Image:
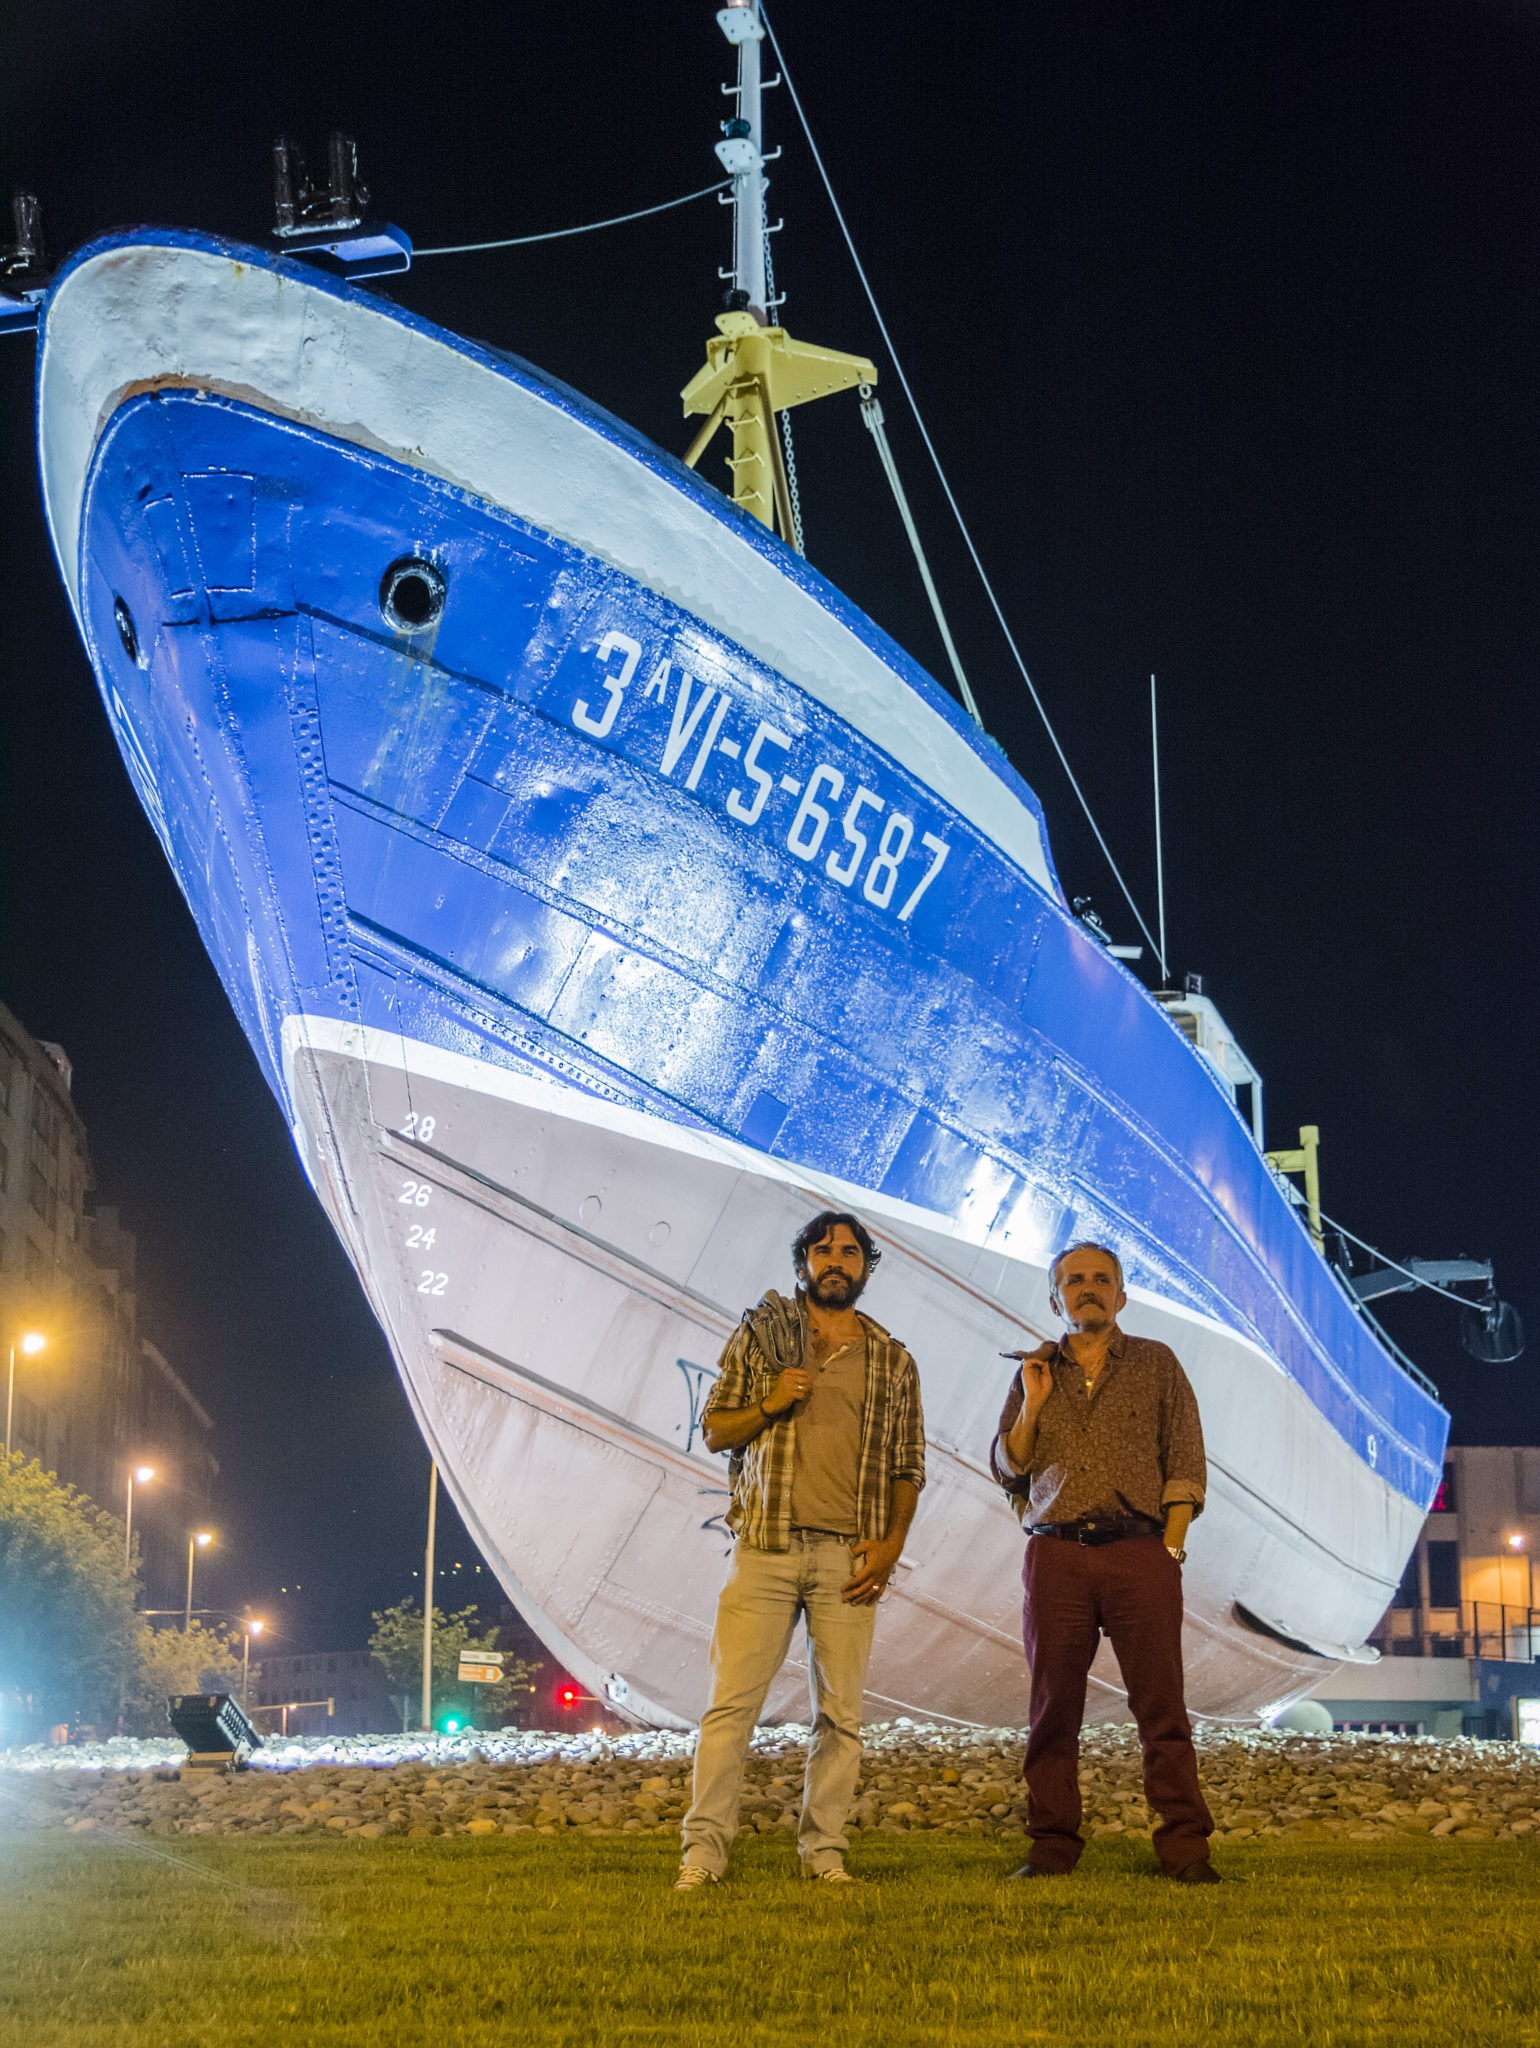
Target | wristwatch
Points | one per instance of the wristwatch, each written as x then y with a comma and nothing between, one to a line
1179,1555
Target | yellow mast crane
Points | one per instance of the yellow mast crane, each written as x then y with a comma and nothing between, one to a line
1305,1159
754,370
751,373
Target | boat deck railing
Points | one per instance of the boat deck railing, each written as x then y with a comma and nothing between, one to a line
1477,1628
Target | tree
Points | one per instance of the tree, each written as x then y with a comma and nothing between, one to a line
173,1660
396,1646
66,1601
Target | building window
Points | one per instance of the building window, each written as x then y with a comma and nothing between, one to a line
1443,1574
1529,1481
1377,1727
1409,1592
1444,1499
44,1123
41,1195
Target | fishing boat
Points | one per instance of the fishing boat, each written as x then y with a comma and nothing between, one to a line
602,894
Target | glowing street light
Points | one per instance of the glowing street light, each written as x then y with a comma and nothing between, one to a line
253,1628
199,1540
29,1343
140,1475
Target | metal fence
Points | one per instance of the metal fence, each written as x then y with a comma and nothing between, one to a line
1479,1628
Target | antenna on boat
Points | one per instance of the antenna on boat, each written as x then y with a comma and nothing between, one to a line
754,370
325,224
741,153
1160,864
24,272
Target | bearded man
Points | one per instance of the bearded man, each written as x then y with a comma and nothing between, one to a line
819,1409
1101,1447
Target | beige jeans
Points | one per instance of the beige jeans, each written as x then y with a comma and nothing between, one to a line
767,1591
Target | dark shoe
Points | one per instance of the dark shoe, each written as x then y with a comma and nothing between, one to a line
1196,1873
1034,1870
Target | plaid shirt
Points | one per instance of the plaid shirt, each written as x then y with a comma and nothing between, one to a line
768,1340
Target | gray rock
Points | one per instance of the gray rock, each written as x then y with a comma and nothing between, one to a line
1259,1782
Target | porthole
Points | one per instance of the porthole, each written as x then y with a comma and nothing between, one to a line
412,595
128,632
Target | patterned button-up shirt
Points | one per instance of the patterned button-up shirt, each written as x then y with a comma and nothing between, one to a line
768,1340
1134,1446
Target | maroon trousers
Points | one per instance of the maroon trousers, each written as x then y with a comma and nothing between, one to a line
1130,1591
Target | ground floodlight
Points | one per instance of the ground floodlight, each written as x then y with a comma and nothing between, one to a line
218,1735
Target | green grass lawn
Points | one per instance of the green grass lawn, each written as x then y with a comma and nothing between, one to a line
528,1940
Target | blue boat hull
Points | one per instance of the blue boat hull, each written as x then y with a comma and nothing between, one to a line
576,857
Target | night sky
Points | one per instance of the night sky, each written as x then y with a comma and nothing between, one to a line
1223,320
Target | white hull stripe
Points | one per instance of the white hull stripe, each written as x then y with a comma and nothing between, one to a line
556,1098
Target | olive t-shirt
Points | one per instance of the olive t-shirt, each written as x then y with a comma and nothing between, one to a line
828,1442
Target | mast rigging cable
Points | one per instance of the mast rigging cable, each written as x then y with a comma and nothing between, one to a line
871,412
930,449
587,227
1395,1265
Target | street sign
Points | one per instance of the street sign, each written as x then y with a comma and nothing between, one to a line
480,1667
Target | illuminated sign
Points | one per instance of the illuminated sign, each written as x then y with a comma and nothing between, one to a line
480,1667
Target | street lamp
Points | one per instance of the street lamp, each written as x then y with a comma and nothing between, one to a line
427,1602
29,1343
253,1628
143,1474
199,1540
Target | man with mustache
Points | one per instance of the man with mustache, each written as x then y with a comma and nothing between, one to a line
1101,1448
820,1410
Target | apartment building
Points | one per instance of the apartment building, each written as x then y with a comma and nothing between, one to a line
98,1398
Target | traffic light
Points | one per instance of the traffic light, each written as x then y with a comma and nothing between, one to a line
568,1696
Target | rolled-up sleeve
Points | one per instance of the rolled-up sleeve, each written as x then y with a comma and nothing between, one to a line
1017,1484
1183,1464
730,1388
908,1439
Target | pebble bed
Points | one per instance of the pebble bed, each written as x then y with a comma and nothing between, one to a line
914,1778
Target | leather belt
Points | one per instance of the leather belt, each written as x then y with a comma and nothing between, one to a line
1100,1529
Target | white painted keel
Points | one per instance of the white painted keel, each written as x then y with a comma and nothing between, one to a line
557,1330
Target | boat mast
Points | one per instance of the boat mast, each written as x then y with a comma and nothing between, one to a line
753,370
1160,859
742,152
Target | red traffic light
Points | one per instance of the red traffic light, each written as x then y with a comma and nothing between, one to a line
569,1696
